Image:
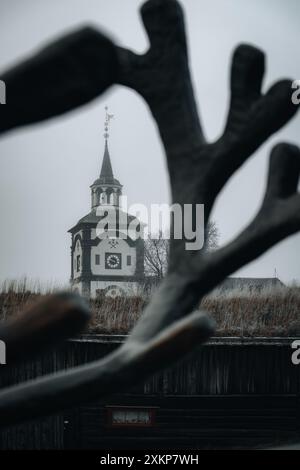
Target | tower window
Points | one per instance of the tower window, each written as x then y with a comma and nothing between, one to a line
97,259
128,260
78,263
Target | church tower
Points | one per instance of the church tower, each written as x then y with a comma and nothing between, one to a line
107,250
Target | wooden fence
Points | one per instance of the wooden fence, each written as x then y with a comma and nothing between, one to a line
231,392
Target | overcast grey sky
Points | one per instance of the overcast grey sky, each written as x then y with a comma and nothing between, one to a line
46,170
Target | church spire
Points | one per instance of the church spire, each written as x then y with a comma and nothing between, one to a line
106,174
106,190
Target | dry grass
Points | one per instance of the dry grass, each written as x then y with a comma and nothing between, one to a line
116,316
271,312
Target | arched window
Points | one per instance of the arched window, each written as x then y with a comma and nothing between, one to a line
103,197
113,198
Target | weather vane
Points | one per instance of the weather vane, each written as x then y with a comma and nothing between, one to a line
108,117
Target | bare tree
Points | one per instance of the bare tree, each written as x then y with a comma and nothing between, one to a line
80,67
157,248
212,236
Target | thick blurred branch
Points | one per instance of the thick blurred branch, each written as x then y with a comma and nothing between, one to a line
69,73
129,364
45,324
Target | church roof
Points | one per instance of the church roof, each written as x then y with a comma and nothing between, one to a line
93,219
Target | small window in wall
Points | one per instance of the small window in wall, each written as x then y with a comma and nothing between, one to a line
130,416
128,260
97,259
78,263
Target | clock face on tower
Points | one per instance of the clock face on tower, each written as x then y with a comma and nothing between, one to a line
113,261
